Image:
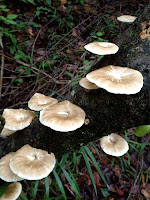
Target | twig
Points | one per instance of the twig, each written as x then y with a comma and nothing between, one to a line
2,64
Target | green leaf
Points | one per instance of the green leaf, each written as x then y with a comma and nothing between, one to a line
86,159
13,39
61,187
3,188
12,16
46,187
35,189
12,49
71,182
22,196
105,193
142,130
96,165
48,2
99,33
7,21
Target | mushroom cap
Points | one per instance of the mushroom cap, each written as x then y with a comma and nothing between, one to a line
126,18
31,163
117,80
5,172
64,116
17,119
85,83
6,132
39,102
102,48
12,192
114,145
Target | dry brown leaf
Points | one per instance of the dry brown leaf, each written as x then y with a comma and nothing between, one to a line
146,191
88,8
63,1
117,170
97,179
30,31
41,52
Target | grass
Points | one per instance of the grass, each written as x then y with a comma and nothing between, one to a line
65,180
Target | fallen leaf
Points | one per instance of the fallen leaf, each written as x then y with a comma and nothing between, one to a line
63,1
117,170
97,179
146,191
88,8
41,52
30,31
134,189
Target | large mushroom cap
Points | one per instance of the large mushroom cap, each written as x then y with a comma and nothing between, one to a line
126,18
5,172
13,191
102,48
85,83
114,145
39,102
117,80
63,116
31,163
17,119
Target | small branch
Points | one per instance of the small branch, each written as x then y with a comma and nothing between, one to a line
2,64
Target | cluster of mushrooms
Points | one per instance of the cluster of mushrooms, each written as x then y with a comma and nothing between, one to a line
33,164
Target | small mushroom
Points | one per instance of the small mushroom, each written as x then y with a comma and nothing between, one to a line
114,145
39,102
126,18
102,48
5,172
64,116
31,163
117,80
17,119
12,192
85,83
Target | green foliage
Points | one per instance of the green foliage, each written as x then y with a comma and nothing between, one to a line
142,130
3,188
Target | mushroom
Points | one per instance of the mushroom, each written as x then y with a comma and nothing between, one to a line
31,163
85,83
5,172
12,192
39,102
17,119
114,145
6,132
117,80
102,48
64,116
126,18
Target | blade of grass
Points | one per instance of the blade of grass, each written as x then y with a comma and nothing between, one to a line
89,168
22,195
34,191
46,187
60,185
71,182
96,149
96,165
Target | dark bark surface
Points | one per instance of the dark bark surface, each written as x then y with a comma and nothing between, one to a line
107,112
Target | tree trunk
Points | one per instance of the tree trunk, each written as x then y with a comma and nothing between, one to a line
106,112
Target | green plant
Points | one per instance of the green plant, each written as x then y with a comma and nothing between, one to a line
142,130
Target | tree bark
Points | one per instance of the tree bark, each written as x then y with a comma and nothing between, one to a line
106,112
